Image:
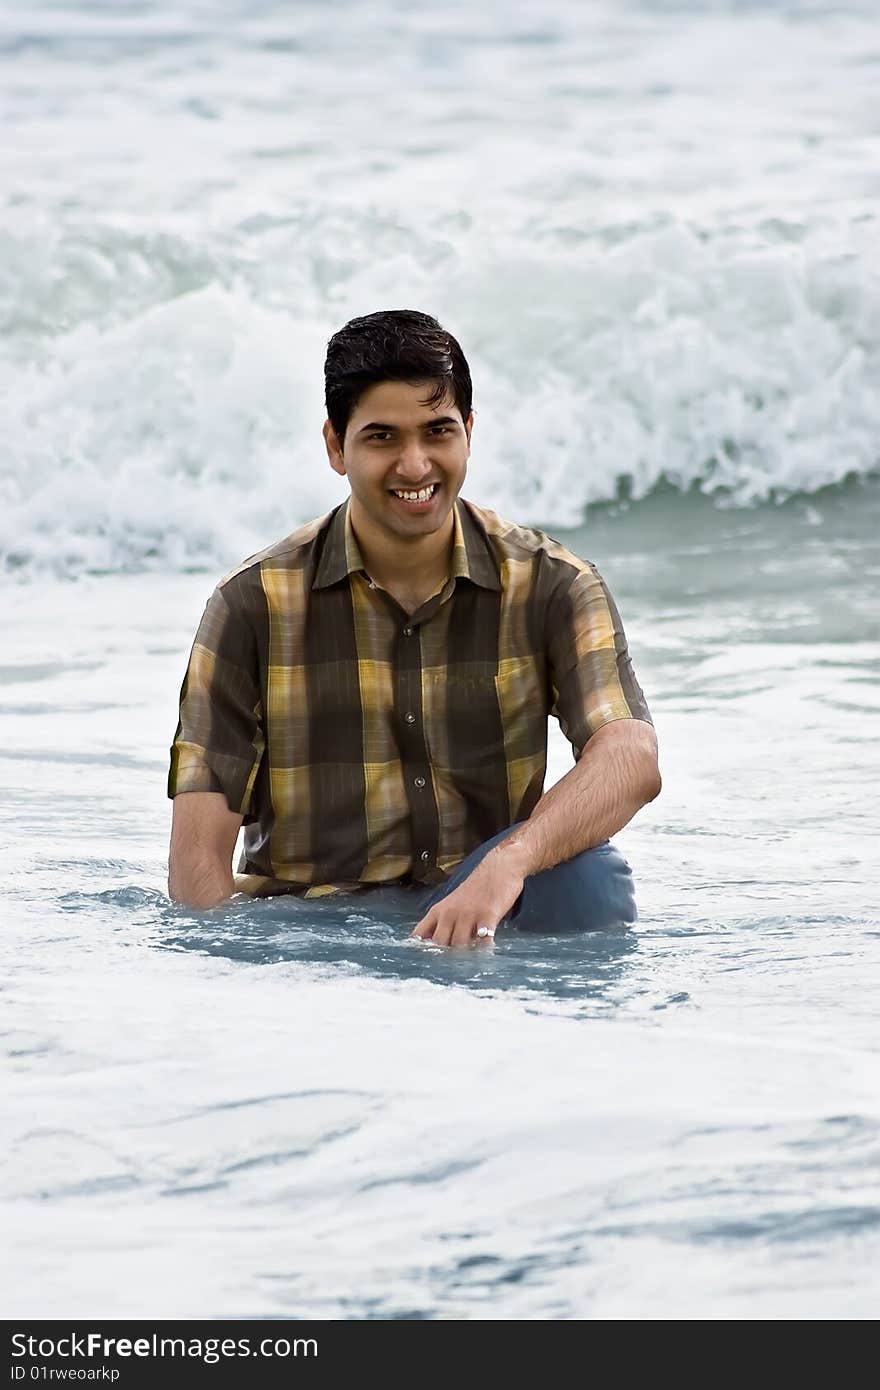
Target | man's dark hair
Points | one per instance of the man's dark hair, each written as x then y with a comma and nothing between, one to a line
392,345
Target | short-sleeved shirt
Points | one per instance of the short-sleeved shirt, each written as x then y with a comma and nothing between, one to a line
363,744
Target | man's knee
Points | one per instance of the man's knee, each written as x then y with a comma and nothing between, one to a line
588,893
592,891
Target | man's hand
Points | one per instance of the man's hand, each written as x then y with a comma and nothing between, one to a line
476,907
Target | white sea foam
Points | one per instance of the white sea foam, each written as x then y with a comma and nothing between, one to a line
654,236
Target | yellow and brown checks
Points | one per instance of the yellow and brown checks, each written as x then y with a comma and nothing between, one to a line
365,745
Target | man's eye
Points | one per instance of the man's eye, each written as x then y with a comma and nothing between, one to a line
380,435
440,429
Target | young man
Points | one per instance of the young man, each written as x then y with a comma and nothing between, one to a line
370,695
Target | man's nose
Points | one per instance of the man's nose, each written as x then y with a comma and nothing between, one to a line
414,463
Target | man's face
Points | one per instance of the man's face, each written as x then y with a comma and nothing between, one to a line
405,461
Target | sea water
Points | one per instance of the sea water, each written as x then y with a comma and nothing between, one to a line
654,228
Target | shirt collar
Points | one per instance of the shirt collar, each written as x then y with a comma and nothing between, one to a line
472,557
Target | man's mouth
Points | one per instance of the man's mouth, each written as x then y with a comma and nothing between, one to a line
414,497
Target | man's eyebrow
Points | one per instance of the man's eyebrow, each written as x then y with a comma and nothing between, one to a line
426,424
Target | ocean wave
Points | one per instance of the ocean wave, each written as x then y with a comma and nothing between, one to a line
179,422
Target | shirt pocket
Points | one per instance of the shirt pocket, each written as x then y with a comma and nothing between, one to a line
480,718
463,728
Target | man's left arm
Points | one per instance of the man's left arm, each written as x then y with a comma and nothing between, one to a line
616,774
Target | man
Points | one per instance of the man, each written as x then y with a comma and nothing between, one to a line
370,695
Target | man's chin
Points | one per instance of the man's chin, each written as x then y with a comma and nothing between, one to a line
419,523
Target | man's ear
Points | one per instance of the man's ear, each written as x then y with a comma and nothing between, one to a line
334,449
468,426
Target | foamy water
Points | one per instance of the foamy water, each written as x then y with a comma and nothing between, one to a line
654,229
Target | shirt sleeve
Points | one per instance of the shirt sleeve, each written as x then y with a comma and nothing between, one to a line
220,741
590,668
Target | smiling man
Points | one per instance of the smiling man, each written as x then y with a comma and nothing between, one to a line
370,695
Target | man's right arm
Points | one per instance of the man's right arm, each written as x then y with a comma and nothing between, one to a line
203,836
217,750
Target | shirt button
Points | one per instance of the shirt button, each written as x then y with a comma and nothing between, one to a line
424,856
410,717
420,781
407,632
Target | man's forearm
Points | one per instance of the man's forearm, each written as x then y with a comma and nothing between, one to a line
616,775
202,882
203,835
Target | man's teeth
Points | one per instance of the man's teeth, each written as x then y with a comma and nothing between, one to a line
424,496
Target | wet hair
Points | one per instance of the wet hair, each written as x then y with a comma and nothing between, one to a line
392,345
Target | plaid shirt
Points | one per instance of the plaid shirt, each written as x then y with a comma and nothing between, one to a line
365,745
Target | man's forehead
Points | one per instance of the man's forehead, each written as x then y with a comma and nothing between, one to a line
403,400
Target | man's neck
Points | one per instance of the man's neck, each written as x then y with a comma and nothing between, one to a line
416,567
